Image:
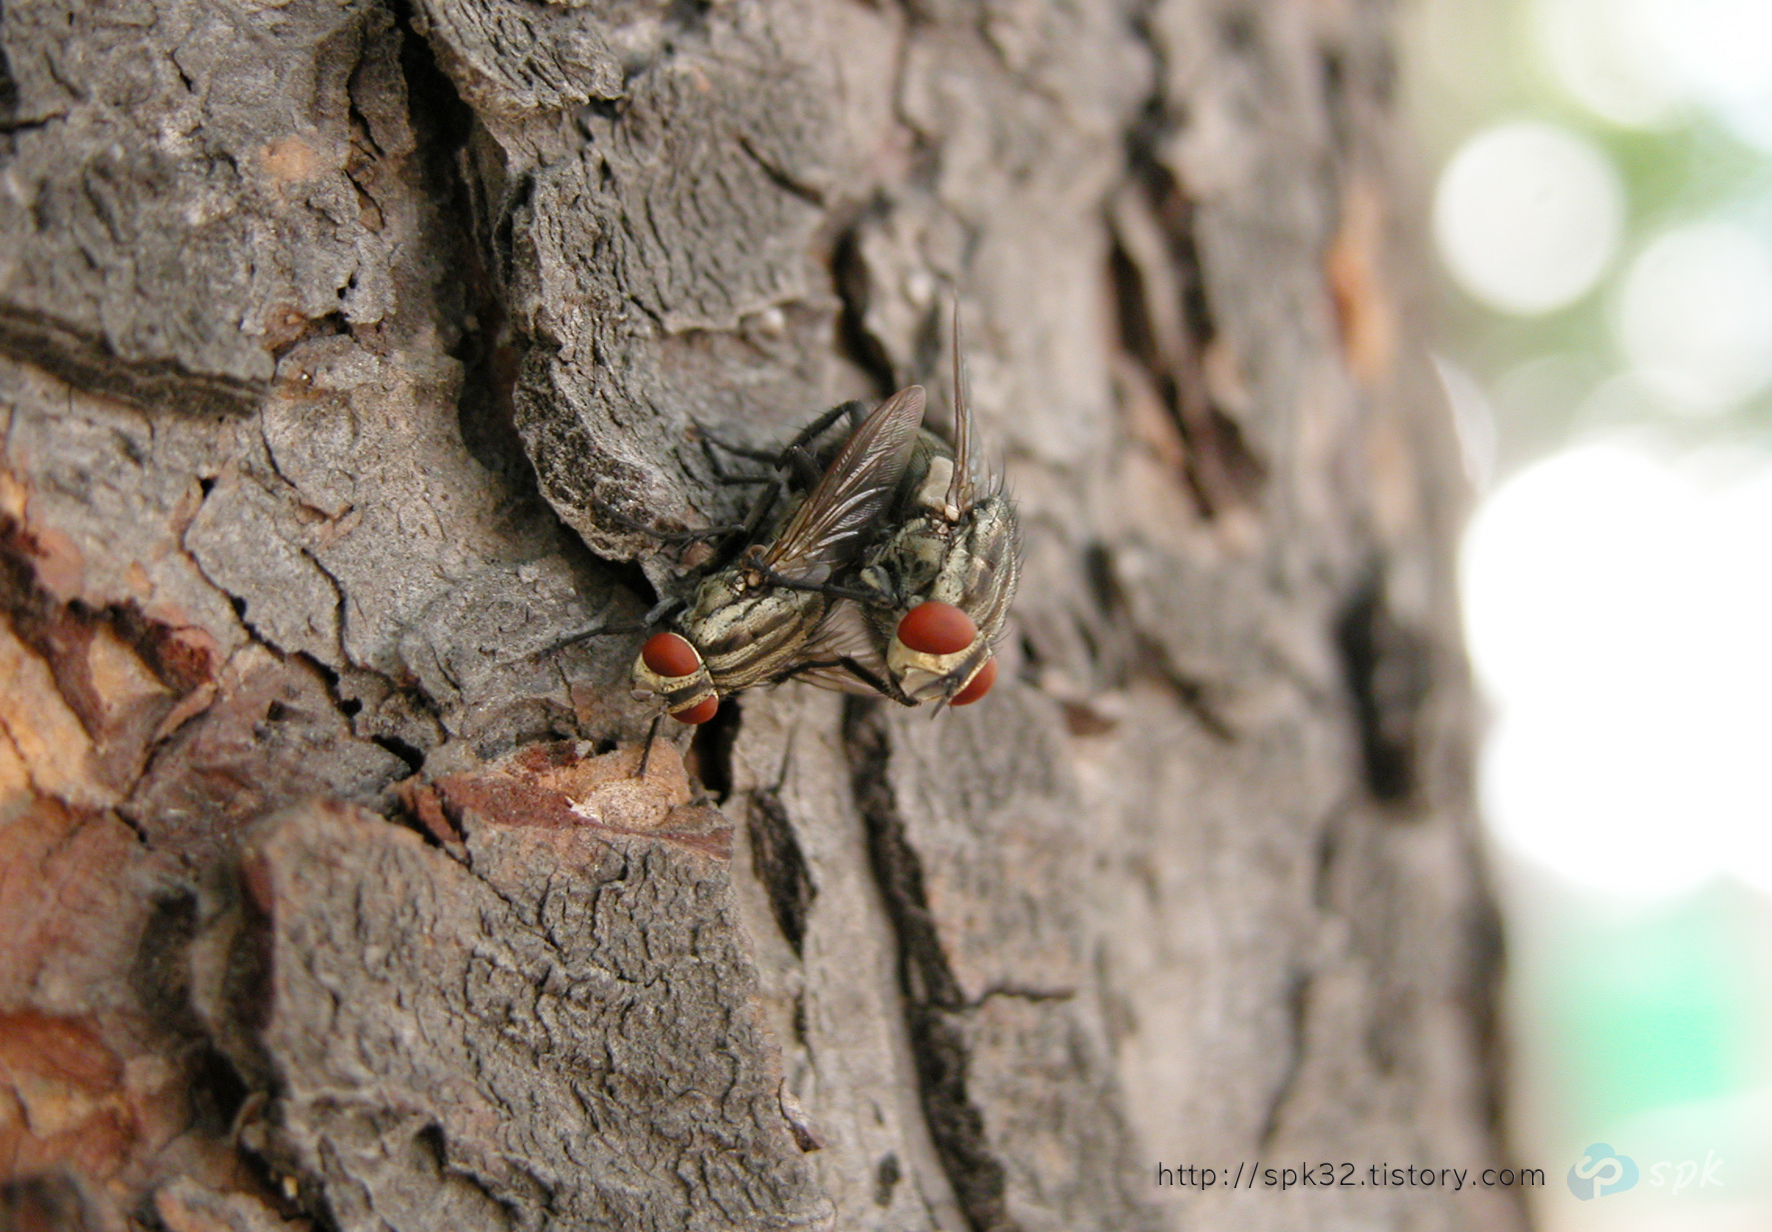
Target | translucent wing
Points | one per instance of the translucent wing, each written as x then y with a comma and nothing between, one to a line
827,527
843,652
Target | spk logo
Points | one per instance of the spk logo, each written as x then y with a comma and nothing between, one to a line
1601,1171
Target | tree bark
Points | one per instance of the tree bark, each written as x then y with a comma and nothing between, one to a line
343,342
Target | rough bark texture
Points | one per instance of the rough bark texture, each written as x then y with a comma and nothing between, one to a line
343,342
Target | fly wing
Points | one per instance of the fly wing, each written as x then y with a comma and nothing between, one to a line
827,528
843,652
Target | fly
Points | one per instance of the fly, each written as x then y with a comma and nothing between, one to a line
943,575
762,617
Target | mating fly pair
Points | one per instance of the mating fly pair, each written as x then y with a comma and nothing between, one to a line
892,572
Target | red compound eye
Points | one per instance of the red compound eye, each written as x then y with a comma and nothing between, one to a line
978,686
936,628
701,712
670,654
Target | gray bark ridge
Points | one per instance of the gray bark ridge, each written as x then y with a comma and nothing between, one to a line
558,1031
137,141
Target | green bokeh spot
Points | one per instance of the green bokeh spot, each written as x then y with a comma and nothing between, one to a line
1653,1012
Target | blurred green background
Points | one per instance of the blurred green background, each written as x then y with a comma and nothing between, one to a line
1602,195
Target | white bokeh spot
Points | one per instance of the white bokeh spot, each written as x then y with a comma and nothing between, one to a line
1620,617
1610,56
1723,51
1527,216
1639,62
1695,316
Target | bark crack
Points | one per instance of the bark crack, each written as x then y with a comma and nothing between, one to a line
89,364
849,276
934,1003
1166,320
1017,992
780,177
1387,665
776,855
1297,998
18,755
60,633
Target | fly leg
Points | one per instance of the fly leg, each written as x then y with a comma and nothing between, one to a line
651,738
744,532
794,464
796,456
828,589
700,534
646,753
878,684
602,628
